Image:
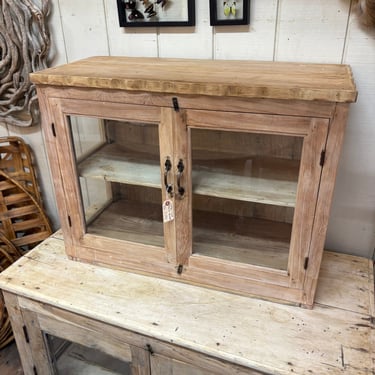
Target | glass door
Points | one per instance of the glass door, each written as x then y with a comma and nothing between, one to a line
119,178
244,195
71,358
116,173
254,184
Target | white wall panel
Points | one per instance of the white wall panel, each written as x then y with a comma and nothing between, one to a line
311,31
84,27
352,222
57,50
256,41
188,42
129,41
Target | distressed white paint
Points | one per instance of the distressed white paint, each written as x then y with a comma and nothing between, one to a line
303,30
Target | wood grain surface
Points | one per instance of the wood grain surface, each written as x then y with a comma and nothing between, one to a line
251,79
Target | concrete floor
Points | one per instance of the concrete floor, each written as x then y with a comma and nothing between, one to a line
10,361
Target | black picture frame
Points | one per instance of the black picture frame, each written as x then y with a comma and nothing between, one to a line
187,15
221,16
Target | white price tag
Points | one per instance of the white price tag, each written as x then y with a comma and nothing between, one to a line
168,212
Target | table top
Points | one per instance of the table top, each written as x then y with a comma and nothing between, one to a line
336,336
245,79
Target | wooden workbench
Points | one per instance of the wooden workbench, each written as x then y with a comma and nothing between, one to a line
211,332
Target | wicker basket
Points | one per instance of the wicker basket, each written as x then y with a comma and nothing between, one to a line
22,219
16,162
8,255
23,223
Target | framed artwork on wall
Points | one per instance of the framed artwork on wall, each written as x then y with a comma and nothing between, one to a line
155,13
228,12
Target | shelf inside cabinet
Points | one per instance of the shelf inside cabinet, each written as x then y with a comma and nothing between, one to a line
113,163
253,241
130,221
244,240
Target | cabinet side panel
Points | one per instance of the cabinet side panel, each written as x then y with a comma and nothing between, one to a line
49,132
332,155
308,187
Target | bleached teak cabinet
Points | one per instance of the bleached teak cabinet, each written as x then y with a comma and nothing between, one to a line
217,173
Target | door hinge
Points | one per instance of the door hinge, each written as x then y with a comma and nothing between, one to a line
26,334
150,350
180,268
69,221
322,158
53,129
175,104
306,264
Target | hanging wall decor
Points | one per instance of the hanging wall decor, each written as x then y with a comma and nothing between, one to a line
146,13
229,12
24,45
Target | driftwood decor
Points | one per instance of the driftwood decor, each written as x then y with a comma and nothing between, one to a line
24,45
366,12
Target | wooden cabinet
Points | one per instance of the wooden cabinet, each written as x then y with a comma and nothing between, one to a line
217,173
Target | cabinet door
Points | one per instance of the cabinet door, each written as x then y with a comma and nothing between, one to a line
70,358
115,174
161,365
254,184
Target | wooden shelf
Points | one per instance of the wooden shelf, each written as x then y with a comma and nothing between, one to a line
246,240
115,164
253,241
130,221
112,163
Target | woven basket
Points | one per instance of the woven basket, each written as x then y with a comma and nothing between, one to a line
16,162
23,223
8,255
22,219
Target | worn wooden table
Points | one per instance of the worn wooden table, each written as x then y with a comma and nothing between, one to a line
173,328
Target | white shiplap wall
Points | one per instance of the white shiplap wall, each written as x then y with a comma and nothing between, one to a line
282,30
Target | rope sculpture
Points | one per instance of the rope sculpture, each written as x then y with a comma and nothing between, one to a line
24,46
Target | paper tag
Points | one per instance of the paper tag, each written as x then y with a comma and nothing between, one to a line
168,213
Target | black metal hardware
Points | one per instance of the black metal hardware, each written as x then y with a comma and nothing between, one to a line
306,264
180,169
26,334
150,350
175,104
53,129
168,167
69,221
180,268
322,158
35,371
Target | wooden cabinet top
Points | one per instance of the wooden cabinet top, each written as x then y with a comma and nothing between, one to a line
246,79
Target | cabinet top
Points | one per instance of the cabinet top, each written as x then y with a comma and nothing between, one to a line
246,79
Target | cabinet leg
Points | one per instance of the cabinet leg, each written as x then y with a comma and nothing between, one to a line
29,338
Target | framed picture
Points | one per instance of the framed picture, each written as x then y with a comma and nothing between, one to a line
228,12
155,13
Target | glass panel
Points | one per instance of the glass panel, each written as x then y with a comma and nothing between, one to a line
244,194
119,175
74,359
